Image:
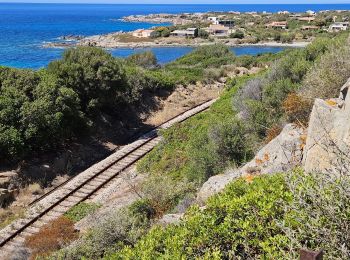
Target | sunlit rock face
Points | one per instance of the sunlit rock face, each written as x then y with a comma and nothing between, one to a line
328,140
281,154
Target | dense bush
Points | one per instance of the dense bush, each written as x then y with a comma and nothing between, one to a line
329,72
35,112
159,199
267,102
203,34
97,77
144,59
40,110
238,35
206,56
229,141
269,217
111,233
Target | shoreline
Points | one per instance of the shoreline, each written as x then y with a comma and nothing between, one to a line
121,45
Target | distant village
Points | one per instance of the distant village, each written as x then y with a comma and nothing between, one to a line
230,28
238,25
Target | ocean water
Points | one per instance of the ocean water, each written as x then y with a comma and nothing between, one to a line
24,28
168,54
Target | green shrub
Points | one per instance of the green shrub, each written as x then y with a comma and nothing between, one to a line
80,211
145,59
229,141
287,37
270,217
159,199
329,72
238,35
206,56
260,101
97,77
143,207
203,34
109,233
191,151
240,223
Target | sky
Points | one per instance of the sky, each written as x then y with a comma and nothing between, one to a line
183,1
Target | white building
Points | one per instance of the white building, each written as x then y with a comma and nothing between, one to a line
283,12
141,33
213,19
190,32
339,26
310,13
218,30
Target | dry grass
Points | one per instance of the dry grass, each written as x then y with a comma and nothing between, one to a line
272,133
17,209
182,99
128,38
297,109
7,216
51,237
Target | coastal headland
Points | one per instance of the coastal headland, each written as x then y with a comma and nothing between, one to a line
281,29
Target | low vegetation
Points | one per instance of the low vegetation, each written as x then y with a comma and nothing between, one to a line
51,237
122,227
252,110
81,210
269,217
40,110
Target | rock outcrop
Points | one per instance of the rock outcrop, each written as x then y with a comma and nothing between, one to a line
325,147
282,154
328,140
216,184
7,193
6,177
170,219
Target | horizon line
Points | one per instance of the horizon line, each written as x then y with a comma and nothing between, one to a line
75,3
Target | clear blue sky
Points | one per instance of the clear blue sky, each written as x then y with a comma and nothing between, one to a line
184,1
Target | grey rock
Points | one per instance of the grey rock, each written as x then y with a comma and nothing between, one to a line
282,154
6,177
6,196
216,184
170,219
328,139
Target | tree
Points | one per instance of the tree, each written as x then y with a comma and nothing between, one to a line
97,77
145,59
165,33
203,34
237,35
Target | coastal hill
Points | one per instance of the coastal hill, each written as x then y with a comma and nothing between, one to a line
262,173
229,28
89,104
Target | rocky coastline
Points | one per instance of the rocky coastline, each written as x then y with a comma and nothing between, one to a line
163,18
114,41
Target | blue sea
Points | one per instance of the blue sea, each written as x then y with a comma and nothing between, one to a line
24,28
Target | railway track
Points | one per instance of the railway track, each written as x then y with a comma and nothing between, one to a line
86,184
